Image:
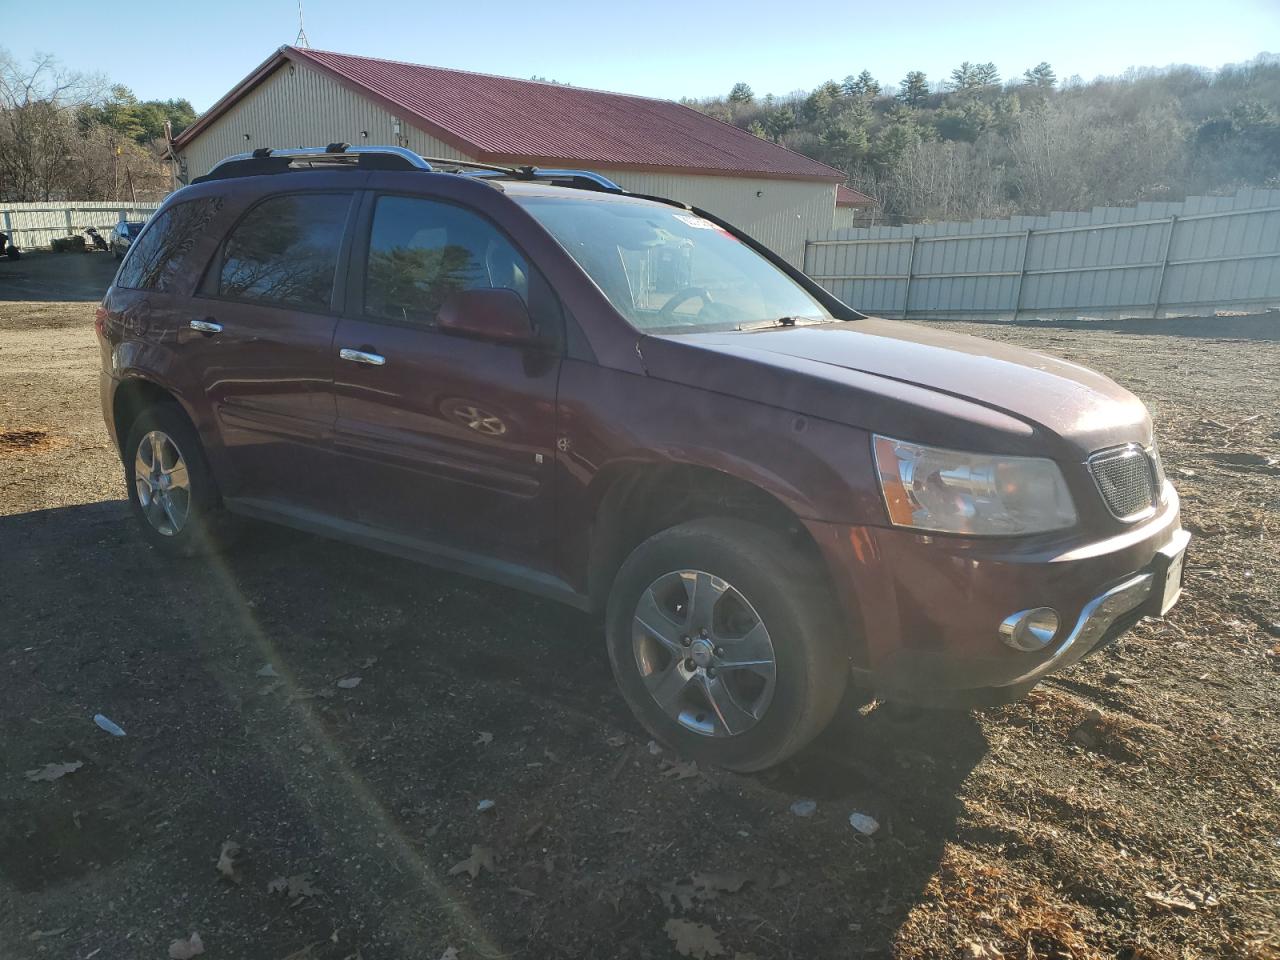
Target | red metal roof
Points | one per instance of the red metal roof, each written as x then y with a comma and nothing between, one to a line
500,118
849,197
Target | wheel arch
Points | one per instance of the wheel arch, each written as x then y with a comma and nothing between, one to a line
634,501
135,394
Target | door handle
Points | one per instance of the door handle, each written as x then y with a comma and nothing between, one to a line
205,326
361,356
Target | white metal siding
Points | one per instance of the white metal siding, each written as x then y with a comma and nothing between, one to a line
782,216
1194,256
32,225
299,106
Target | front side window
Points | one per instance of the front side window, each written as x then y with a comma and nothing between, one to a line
155,258
422,251
285,251
668,270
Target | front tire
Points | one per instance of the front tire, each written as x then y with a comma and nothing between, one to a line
724,641
171,490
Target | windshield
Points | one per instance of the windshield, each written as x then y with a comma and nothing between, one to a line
670,271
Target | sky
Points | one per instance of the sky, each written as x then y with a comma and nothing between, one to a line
661,48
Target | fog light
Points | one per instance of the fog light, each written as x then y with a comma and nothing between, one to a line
1030,630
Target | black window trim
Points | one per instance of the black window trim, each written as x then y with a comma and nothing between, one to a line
207,288
358,265
147,227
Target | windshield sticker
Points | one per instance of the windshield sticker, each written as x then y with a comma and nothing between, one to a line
698,223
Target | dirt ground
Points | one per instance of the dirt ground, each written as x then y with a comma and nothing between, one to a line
1129,808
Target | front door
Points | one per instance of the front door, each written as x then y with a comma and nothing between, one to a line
440,437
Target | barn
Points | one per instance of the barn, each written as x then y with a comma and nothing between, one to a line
853,208
305,97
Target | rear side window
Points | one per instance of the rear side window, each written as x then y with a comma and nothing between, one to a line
285,251
155,259
421,251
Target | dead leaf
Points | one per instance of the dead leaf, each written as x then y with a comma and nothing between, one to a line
781,880
481,859
368,662
450,953
348,683
982,951
617,741
298,887
729,882
52,771
694,939
268,671
522,891
682,893
227,861
304,953
680,771
484,739
193,946
700,888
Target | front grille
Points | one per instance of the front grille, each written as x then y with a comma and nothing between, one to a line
1126,481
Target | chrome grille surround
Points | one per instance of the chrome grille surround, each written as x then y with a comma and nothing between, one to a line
1126,479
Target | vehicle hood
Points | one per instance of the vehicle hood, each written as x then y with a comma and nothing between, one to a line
913,381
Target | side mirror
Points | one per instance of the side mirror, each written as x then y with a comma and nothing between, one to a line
497,315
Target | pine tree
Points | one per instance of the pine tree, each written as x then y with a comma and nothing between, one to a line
741,93
1041,75
962,77
914,89
779,122
986,74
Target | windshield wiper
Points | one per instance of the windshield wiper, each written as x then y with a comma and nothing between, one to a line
781,322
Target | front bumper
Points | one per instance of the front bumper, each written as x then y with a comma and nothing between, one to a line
925,610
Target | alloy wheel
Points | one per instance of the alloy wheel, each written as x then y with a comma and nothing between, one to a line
163,483
704,654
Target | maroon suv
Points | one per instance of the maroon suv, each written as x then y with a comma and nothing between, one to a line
626,404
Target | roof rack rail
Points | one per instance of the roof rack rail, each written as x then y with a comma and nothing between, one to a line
267,160
586,179
576,177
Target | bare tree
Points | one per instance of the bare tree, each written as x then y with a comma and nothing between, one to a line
944,180
37,124
52,146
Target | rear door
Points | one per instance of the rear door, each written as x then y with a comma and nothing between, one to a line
259,339
441,437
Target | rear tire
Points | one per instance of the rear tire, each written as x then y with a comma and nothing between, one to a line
694,672
172,493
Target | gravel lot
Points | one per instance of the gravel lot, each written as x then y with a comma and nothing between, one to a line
1129,808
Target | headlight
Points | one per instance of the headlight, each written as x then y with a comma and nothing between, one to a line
951,491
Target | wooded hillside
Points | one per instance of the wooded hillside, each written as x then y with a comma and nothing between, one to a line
974,145
69,136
